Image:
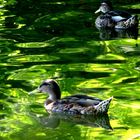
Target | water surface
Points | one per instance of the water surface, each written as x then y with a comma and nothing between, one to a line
58,40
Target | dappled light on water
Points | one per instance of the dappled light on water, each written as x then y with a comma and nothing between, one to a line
59,40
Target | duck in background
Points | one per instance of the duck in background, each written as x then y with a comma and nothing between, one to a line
114,18
75,104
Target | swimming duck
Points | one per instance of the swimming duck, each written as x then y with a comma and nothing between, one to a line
75,104
114,18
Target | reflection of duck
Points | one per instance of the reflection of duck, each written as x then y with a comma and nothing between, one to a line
117,19
54,120
108,33
76,104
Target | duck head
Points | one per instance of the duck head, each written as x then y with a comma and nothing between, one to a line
105,7
51,87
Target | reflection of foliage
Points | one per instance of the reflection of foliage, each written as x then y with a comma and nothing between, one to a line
47,19
35,10
57,39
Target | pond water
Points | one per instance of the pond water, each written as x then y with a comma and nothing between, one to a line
58,39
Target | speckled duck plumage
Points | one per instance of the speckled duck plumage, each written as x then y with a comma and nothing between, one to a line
75,104
114,18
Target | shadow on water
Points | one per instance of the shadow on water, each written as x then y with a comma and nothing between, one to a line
58,39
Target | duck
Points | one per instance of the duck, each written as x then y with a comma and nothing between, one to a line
114,18
79,104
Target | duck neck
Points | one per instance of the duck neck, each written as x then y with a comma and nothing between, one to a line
52,98
54,95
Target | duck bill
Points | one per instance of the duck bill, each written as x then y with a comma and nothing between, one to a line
34,91
97,11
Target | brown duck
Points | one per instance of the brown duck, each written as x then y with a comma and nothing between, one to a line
75,104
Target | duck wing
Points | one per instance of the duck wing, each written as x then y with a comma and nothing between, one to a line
119,15
82,100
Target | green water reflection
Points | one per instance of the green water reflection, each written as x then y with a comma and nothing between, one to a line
58,40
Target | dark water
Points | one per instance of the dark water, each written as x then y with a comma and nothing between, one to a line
58,40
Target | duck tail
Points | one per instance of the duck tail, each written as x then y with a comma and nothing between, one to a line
132,21
103,106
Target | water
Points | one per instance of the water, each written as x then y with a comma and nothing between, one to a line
59,40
